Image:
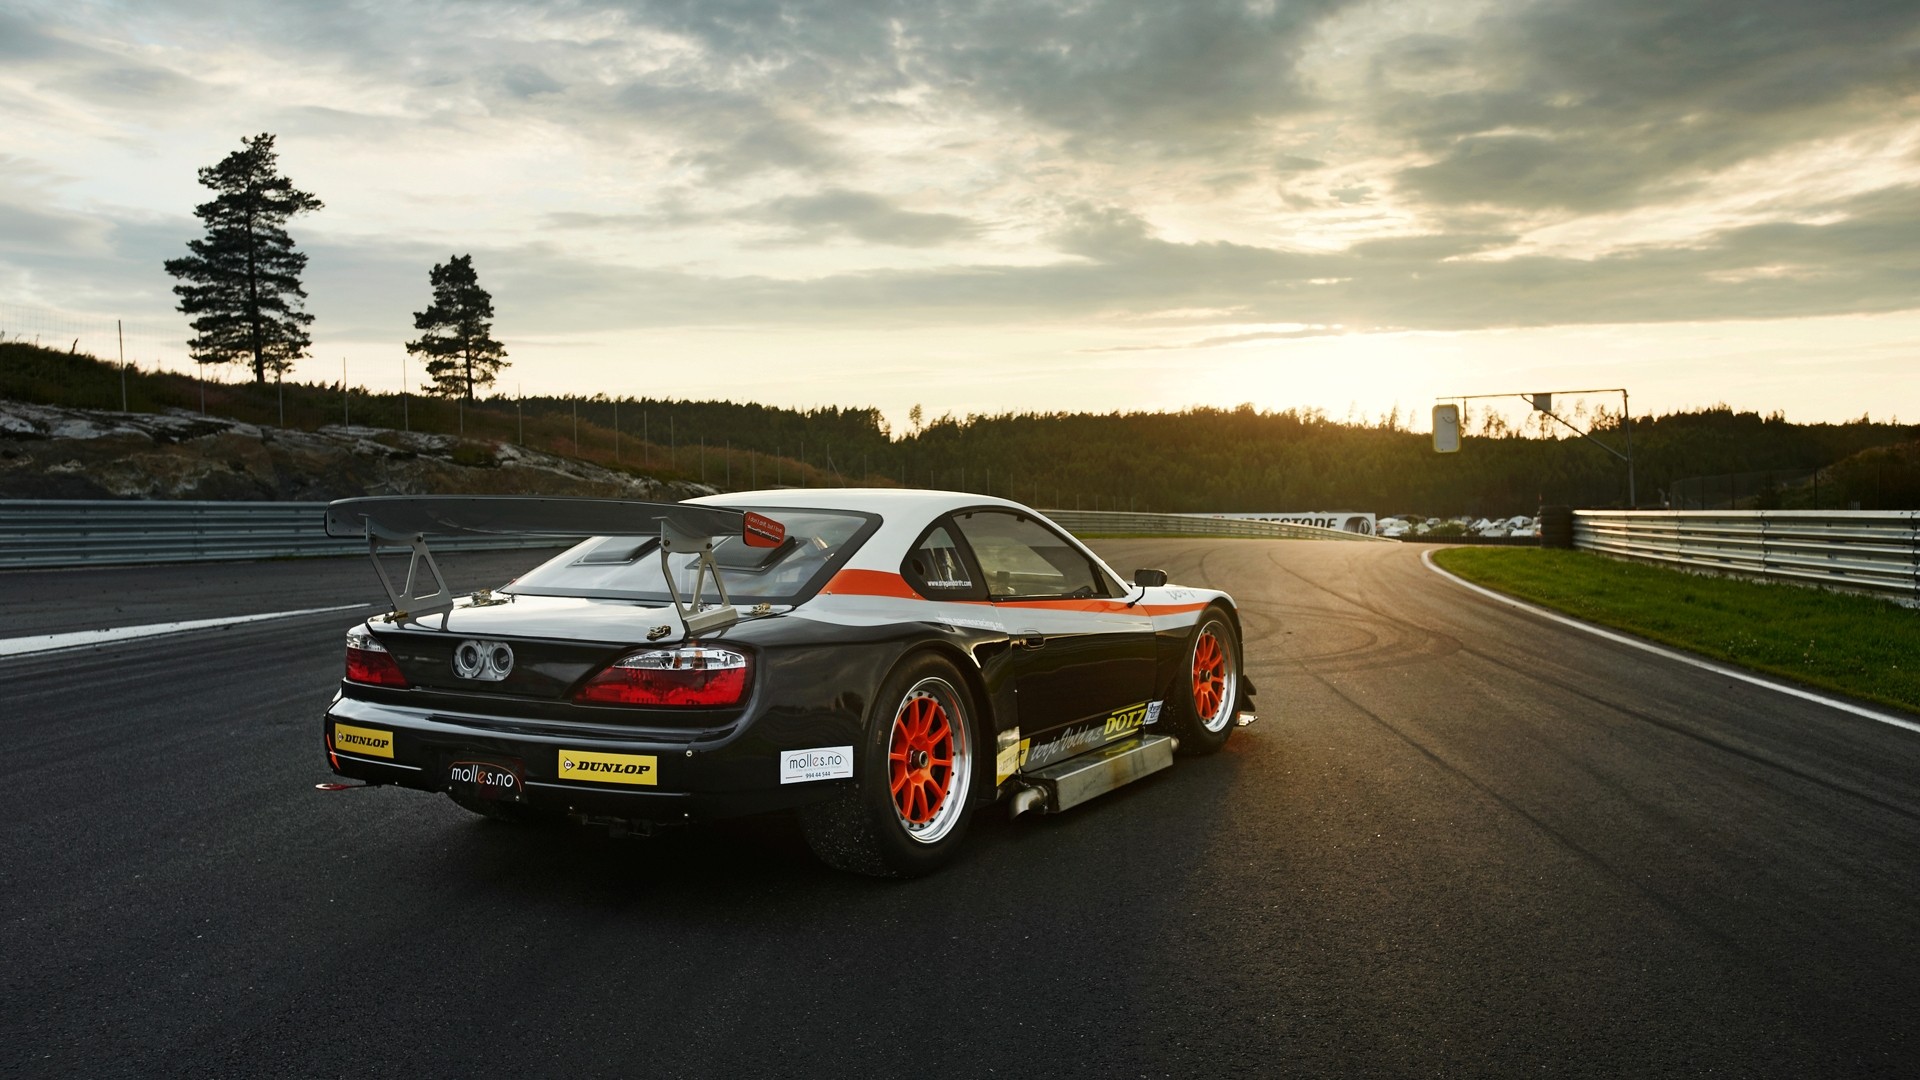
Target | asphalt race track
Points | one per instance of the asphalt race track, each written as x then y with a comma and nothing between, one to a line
1462,840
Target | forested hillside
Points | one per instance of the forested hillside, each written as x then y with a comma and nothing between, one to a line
1197,460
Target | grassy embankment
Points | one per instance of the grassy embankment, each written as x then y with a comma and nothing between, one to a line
77,380
1858,645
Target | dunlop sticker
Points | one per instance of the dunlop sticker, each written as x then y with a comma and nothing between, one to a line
594,767
371,742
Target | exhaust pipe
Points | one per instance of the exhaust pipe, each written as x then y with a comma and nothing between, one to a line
1027,798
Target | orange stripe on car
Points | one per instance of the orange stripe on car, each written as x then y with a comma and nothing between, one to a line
885,583
870,583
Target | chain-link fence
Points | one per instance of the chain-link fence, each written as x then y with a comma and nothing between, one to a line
147,345
1763,489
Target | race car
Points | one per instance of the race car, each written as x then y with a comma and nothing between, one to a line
883,663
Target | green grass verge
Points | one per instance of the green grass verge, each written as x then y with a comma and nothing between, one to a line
1858,645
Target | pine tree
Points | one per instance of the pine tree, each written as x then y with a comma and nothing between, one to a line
243,279
461,353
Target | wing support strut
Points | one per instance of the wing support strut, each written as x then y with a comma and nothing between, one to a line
697,618
407,601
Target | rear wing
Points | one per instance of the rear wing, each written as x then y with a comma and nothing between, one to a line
391,521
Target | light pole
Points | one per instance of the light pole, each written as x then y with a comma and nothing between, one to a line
1542,402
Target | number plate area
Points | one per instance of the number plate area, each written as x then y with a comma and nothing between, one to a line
492,781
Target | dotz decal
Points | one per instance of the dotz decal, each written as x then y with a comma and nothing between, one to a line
1126,721
1117,725
594,767
359,740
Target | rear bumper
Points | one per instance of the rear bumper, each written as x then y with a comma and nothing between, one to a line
656,779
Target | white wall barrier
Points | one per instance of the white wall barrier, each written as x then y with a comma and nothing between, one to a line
1119,522
122,532
1340,520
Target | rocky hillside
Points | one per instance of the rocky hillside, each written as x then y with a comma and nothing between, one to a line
57,453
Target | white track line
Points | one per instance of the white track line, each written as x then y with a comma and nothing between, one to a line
23,646
1694,661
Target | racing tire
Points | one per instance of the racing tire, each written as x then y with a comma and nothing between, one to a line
510,813
1206,691
909,804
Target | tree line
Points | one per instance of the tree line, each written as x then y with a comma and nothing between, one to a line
240,284
1201,460
1198,460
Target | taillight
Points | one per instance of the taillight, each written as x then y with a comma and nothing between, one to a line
691,675
369,662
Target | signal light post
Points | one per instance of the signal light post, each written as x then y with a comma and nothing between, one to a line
1446,424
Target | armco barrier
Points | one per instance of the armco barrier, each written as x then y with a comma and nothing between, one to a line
114,532
63,532
1080,522
1862,550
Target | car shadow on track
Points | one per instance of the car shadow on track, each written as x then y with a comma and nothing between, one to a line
1158,823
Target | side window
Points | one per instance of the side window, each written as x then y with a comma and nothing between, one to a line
1019,557
936,569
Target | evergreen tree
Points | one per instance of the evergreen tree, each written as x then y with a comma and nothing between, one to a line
461,353
242,282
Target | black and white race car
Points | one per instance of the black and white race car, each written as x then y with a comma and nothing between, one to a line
882,662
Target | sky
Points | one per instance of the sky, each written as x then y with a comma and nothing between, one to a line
982,206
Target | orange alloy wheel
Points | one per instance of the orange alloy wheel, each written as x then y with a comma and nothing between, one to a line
920,759
1209,676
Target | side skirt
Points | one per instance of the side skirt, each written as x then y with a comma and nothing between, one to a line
1074,781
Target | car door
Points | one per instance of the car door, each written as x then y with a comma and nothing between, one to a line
1083,661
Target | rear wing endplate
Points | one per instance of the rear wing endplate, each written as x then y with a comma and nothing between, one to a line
393,521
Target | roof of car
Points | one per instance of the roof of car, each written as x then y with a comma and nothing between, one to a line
914,502
904,513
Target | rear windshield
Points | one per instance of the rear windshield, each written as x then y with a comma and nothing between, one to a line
628,567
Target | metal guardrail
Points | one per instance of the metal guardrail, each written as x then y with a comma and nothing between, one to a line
1109,521
115,532
1861,550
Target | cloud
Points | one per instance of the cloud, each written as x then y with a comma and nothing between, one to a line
863,216
27,229
1587,106
728,135
526,81
1140,70
1865,261
98,75
1227,339
23,41
1130,156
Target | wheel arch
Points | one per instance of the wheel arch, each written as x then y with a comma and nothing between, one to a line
984,729
1171,662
